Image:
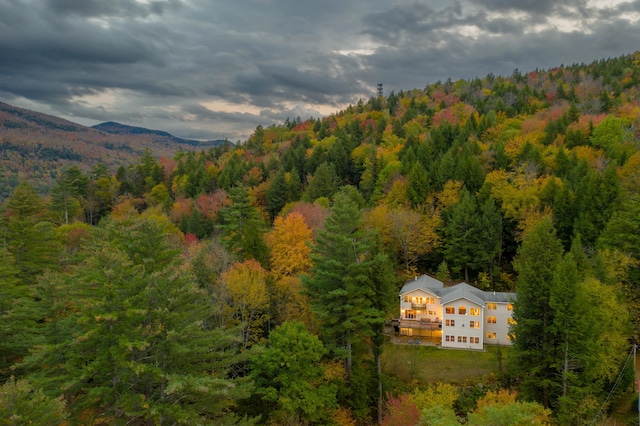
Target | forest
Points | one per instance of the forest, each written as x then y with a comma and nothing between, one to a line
251,284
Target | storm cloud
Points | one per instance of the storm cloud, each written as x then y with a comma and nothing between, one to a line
208,69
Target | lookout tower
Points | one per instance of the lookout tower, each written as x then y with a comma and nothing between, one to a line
380,91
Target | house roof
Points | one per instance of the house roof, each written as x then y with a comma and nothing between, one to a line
458,291
464,291
423,282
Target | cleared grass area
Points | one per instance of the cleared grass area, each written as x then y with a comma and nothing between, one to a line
430,363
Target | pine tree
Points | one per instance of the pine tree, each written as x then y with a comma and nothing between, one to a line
535,345
348,287
144,347
243,228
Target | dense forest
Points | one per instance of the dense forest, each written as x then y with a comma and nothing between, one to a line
250,284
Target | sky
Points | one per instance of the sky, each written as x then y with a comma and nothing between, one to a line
212,69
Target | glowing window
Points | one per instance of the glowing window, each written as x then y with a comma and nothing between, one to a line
462,310
510,307
474,324
491,320
450,310
474,311
491,335
492,306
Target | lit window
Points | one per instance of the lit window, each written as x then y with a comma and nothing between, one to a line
450,310
492,306
510,307
474,312
474,324
491,320
410,314
511,321
491,335
509,337
462,310
474,339
450,323
406,298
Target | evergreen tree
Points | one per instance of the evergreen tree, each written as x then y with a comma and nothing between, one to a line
324,183
143,347
346,287
460,226
418,185
535,345
243,228
68,195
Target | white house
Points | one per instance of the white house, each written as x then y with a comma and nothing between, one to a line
460,316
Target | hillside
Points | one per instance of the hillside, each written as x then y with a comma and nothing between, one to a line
37,146
123,129
291,249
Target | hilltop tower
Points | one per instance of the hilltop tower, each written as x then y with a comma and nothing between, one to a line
380,91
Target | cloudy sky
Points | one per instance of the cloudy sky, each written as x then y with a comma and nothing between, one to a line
207,69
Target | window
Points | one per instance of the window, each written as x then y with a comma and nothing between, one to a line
474,340
450,310
491,335
474,312
491,320
406,298
449,338
410,315
511,321
429,300
492,306
450,323
510,307
509,336
462,310
462,339
474,324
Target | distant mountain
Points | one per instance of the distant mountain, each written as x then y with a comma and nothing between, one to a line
122,129
38,146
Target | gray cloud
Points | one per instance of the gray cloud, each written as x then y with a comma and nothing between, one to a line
169,64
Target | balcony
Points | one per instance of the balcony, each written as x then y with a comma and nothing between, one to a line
418,306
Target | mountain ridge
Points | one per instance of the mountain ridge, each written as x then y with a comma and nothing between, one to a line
38,146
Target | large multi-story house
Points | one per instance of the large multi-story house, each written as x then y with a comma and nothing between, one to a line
460,316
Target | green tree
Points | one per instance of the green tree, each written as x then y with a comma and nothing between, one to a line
69,195
144,347
460,223
29,239
418,185
243,228
290,378
346,285
323,183
535,346
21,404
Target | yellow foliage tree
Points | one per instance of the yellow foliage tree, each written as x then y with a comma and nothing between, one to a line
406,232
245,286
288,242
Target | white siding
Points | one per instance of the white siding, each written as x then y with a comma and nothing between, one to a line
457,331
418,302
501,326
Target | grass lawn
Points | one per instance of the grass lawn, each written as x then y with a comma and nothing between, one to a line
431,364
